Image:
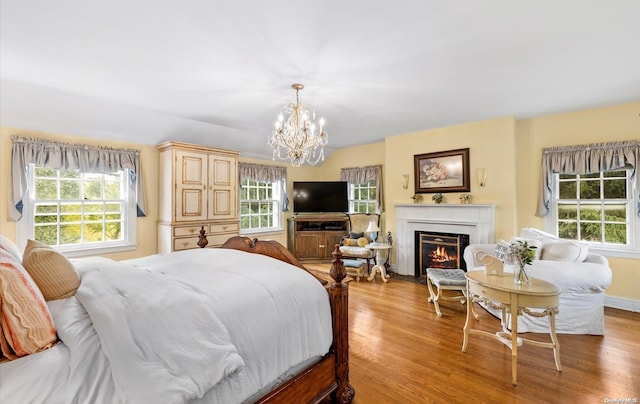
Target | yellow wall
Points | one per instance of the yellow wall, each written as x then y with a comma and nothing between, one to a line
147,227
509,149
608,124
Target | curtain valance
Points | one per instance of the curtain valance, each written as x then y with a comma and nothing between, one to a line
65,156
266,173
588,159
359,175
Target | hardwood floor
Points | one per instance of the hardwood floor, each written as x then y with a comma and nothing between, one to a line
401,352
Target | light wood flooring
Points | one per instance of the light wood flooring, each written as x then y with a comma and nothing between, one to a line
401,352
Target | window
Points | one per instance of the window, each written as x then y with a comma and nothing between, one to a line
76,211
595,208
362,197
260,206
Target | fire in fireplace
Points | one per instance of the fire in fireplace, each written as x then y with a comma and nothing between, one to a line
439,250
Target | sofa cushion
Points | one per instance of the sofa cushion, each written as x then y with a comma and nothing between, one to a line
363,241
538,244
537,234
564,251
10,248
350,242
501,250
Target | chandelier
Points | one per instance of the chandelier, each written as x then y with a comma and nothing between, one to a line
297,137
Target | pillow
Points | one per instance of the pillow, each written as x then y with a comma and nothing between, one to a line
564,251
501,250
355,235
51,271
363,241
351,242
27,326
10,247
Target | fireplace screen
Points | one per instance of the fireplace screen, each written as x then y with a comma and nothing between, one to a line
439,250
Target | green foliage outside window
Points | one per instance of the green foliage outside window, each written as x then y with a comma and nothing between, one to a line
75,208
593,207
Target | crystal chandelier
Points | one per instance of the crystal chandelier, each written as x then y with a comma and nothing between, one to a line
295,137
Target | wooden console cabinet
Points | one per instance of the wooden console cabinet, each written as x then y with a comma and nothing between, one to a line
313,237
198,187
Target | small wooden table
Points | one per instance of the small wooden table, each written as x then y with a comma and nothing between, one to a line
378,248
500,292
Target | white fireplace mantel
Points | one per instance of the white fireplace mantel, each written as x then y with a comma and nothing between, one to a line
476,220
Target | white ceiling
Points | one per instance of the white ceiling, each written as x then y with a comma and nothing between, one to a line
216,72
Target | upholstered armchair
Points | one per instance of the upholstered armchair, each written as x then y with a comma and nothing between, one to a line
353,245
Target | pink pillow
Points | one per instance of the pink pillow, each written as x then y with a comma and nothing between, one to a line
27,326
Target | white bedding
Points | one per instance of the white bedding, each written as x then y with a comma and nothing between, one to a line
282,319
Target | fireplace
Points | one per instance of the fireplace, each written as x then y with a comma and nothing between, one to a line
476,220
439,250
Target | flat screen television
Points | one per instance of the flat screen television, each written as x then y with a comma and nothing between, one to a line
320,196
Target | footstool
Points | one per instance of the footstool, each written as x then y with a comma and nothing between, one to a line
446,279
354,266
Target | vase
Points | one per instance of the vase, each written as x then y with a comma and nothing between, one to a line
520,275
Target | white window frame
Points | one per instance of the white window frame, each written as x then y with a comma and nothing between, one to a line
277,215
632,248
25,226
355,189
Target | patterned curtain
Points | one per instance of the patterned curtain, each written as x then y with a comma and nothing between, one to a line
588,159
266,173
359,175
64,156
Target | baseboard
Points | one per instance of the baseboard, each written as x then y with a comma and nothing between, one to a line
622,303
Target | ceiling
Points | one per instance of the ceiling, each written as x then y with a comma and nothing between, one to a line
218,72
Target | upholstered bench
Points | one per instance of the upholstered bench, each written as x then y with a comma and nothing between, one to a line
354,266
446,279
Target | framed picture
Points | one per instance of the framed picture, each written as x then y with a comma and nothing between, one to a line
445,171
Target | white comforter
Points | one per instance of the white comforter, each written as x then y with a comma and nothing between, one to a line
208,325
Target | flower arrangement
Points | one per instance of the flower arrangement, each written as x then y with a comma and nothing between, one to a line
523,255
435,172
437,198
417,198
465,198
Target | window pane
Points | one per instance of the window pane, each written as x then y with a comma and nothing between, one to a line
69,189
568,230
590,231
594,175
46,234
40,219
567,211
615,233
112,231
615,189
41,208
70,234
93,232
93,189
46,172
69,174
567,176
617,174
70,218
46,189
244,222
615,213
589,189
112,190
590,212
71,208
567,190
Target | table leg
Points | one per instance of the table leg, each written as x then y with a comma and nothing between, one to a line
514,338
466,323
554,339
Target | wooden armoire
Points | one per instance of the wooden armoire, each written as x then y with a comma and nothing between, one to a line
198,187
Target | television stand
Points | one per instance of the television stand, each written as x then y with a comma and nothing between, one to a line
313,236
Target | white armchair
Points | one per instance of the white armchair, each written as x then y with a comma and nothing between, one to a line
582,278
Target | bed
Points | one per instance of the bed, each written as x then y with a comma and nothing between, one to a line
242,323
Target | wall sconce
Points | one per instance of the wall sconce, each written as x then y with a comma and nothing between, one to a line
405,181
482,176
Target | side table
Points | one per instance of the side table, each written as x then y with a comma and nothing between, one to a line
378,249
501,292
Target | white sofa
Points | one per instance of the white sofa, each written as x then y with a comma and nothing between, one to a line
582,278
